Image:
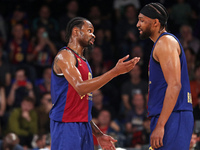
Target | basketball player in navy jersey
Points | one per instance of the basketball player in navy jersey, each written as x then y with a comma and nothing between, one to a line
170,103
71,86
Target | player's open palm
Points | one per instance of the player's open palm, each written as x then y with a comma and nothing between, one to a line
106,142
156,139
124,67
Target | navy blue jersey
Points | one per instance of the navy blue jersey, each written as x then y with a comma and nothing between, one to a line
158,85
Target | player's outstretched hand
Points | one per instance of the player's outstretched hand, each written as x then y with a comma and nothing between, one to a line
106,142
124,67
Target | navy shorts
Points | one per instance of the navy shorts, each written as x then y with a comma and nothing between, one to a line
71,136
178,130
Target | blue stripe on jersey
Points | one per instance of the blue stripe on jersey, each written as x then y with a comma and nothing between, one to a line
57,93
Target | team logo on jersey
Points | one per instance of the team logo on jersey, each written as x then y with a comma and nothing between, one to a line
79,60
150,148
82,96
89,75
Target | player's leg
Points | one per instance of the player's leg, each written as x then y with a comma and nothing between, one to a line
87,142
65,136
178,130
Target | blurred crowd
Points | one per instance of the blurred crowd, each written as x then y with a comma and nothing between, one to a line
32,32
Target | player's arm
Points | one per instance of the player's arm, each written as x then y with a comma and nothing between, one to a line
65,63
95,130
105,141
167,53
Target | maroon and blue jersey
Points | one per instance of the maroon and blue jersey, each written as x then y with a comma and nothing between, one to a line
68,105
158,85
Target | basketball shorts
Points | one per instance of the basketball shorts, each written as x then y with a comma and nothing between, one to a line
178,130
71,136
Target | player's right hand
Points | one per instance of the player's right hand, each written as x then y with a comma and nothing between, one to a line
124,67
156,138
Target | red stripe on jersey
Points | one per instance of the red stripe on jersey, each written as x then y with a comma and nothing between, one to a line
76,107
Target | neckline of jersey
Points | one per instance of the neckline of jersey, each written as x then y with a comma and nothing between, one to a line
77,53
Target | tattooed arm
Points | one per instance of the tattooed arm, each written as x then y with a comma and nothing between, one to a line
105,141
55,66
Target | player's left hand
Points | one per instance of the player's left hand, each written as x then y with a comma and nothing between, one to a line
156,139
106,142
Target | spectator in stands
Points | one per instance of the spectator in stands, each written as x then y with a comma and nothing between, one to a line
39,141
43,113
191,59
135,119
140,138
126,31
45,20
134,85
23,122
137,114
72,8
19,49
99,104
44,84
10,142
104,44
106,125
19,16
119,7
137,51
43,50
21,87
180,13
188,40
97,63
98,22
146,131
47,143
195,85
5,73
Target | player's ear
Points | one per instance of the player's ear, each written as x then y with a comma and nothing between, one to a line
75,31
156,22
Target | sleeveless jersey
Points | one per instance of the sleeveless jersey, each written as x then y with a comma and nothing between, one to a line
68,105
158,85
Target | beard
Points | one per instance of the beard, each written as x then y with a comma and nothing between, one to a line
87,45
145,34
90,46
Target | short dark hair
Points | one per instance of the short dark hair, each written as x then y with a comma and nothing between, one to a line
75,22
44,94
29,99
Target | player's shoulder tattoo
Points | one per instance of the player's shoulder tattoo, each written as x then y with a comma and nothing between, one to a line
56,59
56,67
